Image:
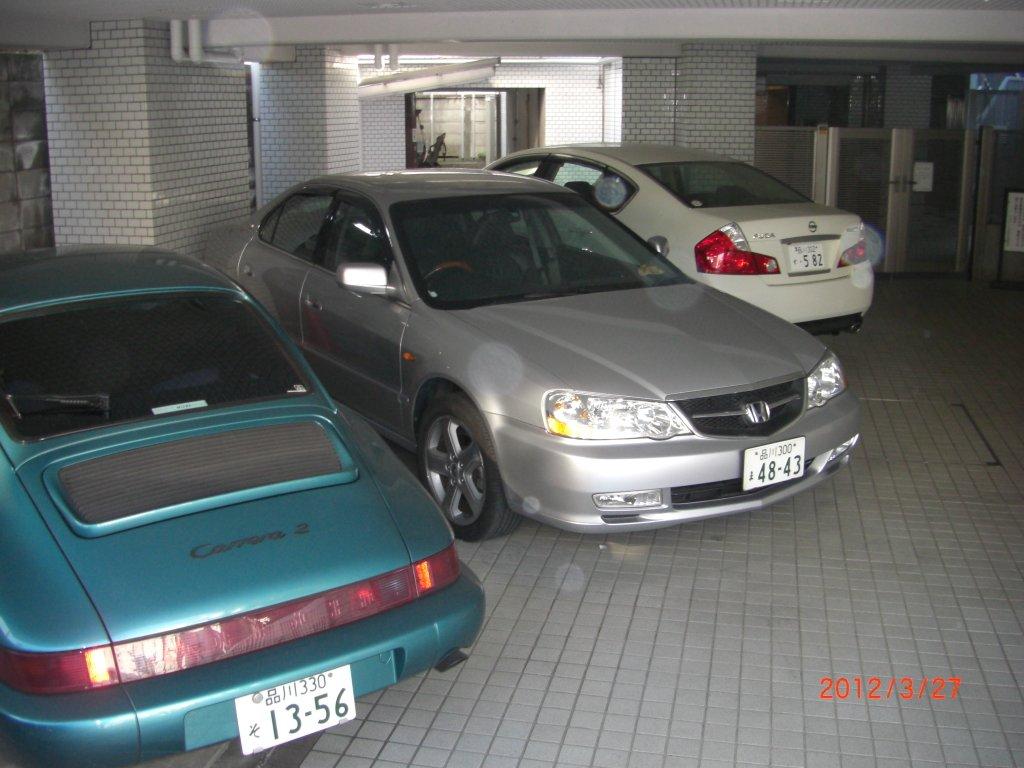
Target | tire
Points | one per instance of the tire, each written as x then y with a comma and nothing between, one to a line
459,467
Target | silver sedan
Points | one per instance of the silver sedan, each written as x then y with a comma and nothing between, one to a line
540,358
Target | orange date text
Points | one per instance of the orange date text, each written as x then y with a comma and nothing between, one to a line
873,688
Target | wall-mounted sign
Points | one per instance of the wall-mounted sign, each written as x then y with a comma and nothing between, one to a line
1013,236
924,177
1013,223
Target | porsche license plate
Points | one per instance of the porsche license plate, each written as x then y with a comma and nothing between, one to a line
806,257
773,463
296,709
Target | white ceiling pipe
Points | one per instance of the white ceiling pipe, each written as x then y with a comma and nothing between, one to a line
195,41
196,53
426,79
178,40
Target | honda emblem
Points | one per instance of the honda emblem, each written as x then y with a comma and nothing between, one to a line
757,413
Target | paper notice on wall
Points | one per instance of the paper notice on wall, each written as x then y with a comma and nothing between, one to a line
924,177
1013,230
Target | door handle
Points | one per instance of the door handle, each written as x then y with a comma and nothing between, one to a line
247,270
312,303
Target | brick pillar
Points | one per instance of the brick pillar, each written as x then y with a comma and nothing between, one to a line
649,99
715,98
309,118
611,76
143,150
383,126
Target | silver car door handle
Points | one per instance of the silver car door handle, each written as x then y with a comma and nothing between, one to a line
312,303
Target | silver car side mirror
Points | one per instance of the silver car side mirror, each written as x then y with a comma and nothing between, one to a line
364,277
658,244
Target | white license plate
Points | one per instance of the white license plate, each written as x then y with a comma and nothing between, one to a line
806,257
773,463
296,709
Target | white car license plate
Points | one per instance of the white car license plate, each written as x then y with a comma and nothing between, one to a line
806,257
296,709
773,463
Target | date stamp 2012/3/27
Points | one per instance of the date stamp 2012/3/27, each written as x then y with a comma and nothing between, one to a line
873,688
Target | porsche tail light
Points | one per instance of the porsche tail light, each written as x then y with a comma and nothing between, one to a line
132,660
436,571
726,252
65,672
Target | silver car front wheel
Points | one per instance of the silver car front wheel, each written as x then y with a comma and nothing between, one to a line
455,470
459,466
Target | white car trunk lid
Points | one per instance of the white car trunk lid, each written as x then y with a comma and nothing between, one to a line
805,239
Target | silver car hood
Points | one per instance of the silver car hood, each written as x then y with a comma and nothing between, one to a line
655,343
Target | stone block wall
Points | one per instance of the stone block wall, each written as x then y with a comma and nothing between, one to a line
25,211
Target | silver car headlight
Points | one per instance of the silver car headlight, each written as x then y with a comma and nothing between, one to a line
568,413
825,382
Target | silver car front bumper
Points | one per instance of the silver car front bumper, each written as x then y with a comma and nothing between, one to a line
553,479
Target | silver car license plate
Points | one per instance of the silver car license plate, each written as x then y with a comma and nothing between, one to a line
296,709
806,257
773,463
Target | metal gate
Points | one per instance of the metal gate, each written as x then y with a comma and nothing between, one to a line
913,188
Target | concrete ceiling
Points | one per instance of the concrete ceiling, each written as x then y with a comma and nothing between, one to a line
612,27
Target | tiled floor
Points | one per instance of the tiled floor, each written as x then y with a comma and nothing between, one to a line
704,644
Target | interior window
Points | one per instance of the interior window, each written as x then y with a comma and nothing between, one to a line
578,177
356,235
523,167
299,223
595,184
710,184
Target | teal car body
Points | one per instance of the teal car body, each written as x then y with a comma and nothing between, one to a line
188,519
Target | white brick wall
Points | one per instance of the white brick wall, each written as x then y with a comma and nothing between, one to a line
199,145
908,98
715,98
143,151
649,99
612,73
309,118
703,99
573,97
344,148
383,129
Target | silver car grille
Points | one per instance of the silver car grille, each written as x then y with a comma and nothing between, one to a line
726,415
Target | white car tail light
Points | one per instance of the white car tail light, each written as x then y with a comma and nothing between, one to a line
857,252
726,252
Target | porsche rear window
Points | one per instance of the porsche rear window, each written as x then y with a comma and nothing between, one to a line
97,363
717,185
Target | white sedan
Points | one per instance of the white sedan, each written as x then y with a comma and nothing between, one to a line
725,224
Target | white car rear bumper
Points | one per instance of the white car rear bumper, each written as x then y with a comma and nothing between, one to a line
804,300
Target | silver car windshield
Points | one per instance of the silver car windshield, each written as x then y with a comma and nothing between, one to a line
718,185
492,249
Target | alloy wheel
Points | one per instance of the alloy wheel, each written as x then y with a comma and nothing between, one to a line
454,469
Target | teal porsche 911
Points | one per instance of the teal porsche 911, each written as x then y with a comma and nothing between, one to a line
198,543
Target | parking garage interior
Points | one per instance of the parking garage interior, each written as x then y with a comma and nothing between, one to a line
714,643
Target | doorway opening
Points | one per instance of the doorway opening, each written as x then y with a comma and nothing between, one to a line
469,128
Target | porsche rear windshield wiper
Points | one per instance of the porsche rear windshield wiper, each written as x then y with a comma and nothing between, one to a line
29,405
